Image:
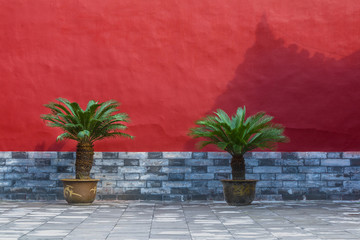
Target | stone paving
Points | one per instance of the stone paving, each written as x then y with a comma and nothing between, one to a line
137,220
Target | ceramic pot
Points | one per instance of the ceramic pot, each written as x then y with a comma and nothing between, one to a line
239,192
80,191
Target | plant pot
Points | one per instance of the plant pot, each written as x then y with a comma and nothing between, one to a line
80,191
239,192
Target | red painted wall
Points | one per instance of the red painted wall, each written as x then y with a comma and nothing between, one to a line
171,62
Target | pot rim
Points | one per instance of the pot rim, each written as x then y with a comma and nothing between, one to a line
246,180
79,180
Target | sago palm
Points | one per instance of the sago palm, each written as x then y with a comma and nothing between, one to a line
96,122
238,135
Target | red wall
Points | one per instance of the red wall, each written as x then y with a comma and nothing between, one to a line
171,62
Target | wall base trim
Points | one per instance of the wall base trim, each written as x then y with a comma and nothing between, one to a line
182,176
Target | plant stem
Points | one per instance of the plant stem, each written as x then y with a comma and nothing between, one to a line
84,160
238,167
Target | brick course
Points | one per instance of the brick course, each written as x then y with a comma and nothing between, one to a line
180,176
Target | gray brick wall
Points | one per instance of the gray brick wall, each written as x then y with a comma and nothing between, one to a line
181,176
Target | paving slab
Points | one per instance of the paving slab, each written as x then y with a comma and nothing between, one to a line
196,220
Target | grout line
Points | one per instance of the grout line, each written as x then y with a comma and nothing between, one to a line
71,207
186,220
213,212
47,220
152,219
117,222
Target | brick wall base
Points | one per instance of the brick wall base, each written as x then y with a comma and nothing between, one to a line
182,176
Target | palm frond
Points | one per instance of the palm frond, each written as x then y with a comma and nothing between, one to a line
238,134
67,103
65,136
97,121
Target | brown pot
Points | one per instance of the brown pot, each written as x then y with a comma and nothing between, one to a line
239,192
80,191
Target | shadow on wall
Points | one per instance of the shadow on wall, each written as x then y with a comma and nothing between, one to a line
315,97
55,146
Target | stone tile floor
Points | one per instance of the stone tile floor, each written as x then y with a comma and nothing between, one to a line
137,220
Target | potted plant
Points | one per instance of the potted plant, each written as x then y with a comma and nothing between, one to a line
96,122
238,135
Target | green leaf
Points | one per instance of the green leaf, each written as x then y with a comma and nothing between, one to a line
67,104
90,104
98,121
237,135
64,136
222,145
84,133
